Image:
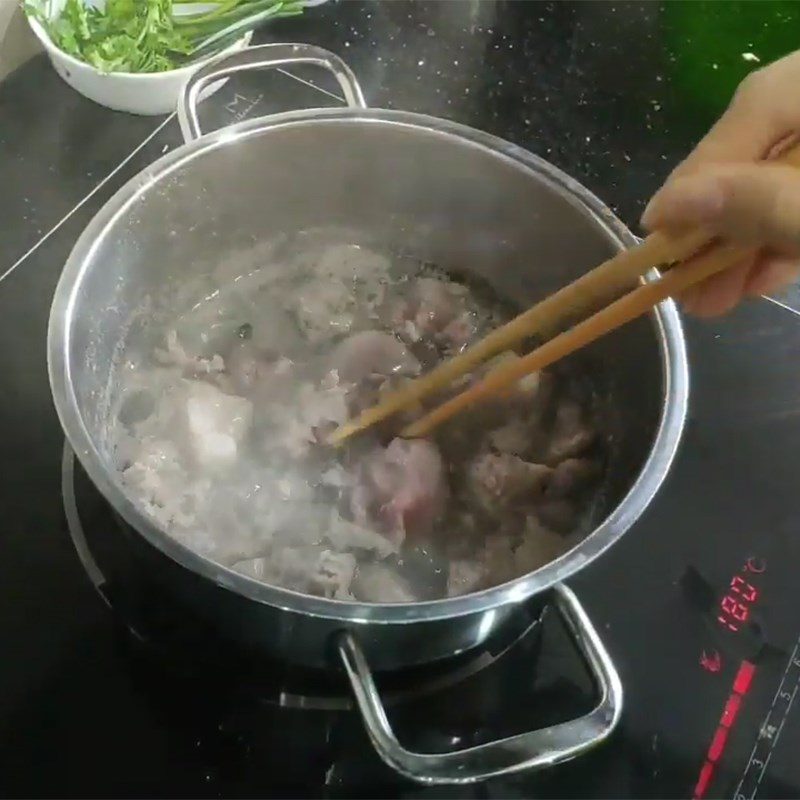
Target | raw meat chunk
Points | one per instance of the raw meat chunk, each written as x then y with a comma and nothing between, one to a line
193,366
217,423
372,353
571,476
429,308
435,305
415,478
308,569
572,435
153,468
403,488
458,333
334,574
154,457
318,408
500,477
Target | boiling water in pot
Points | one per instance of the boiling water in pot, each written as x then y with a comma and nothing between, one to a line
220,412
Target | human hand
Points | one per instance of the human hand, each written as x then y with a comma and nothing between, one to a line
722,187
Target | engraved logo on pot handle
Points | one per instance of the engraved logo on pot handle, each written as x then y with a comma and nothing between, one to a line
266,56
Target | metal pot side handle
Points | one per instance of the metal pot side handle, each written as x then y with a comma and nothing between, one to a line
265,56
533,750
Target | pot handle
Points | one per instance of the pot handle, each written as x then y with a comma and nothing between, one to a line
265,56
532,750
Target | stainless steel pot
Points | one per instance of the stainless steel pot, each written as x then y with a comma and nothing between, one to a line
447,193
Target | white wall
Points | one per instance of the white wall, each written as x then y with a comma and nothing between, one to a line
17,43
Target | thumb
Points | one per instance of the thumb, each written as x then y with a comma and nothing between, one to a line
752,203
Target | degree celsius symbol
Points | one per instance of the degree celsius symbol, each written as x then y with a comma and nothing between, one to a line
755,565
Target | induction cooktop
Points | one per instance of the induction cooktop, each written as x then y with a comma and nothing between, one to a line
696,605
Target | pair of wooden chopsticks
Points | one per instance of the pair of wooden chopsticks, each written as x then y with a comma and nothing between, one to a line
599,286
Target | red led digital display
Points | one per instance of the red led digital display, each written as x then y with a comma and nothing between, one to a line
703,780
741,685
731,710
743,678
737,603
735,608
717,744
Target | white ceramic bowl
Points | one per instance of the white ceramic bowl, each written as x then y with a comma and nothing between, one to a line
138,93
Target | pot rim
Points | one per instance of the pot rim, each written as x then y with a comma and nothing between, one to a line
671,340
